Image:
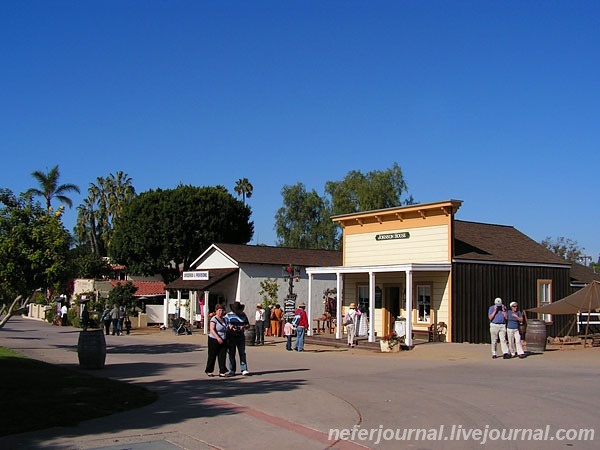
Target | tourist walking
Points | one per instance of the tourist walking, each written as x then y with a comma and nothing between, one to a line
237,323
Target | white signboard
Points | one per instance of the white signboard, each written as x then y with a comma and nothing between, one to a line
196,275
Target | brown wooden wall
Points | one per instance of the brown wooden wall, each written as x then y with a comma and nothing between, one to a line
475,286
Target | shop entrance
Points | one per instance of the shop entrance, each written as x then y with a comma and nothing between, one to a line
392,307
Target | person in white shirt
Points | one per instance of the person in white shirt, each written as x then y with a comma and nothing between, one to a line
259,322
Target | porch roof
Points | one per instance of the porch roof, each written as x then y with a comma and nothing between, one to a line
215,275
411,267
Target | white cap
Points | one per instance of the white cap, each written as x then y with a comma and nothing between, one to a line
498,301
513,304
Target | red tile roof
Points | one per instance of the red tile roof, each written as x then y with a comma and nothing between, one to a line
144,288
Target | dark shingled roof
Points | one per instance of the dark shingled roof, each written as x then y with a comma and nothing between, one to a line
488,242
262,254
582,274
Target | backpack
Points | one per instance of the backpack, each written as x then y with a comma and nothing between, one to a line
296,320
347,320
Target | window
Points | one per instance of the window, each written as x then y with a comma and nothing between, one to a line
423,303
545,298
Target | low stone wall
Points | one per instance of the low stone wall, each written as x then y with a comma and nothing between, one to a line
38,312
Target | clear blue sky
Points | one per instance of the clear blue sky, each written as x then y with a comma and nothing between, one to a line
495,103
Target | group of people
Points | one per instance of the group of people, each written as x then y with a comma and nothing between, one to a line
268,322
116,317
226,337
504,323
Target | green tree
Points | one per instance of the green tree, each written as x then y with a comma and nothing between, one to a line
34,252
367,192
123,295
268,290
96,216
244,188
565,248
87,264
304,220
49,188
164,231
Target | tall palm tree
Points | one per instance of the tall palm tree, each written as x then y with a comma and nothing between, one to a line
244,188
104,204
49,187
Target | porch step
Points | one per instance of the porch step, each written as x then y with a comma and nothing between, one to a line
330,341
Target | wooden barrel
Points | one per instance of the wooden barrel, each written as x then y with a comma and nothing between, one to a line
91,349
536,335
250,335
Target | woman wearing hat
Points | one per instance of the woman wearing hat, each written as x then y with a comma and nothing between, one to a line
350,323
515,317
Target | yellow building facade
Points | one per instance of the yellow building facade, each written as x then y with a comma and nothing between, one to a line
397,267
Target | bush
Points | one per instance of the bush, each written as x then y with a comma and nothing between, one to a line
51,315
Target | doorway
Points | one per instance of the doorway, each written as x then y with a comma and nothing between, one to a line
391,311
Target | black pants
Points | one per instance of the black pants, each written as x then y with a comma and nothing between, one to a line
216,352
260,332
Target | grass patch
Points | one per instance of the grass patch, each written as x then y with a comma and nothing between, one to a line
36,395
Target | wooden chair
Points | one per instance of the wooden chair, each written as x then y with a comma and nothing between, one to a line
437,332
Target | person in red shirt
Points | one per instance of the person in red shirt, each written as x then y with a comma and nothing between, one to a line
301,326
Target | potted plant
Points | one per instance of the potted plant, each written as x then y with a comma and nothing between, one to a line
390,343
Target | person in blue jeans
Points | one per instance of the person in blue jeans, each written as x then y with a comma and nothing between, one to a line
301,327
237,322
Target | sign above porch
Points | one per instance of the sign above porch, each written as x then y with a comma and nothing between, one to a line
196,275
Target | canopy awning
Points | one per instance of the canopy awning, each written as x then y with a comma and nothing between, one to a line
586,299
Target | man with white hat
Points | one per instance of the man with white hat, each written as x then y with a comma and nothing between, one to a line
515,317
498,315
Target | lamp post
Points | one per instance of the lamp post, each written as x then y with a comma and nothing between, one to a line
290,274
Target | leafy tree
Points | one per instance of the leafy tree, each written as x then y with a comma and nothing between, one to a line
34,249
268,290
87,264
164,231
366,192
96,216
244,188
304,220
49,188
123,295
565,248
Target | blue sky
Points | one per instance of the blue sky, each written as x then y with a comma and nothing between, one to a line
494,103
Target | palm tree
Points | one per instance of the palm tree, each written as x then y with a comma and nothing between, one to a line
244,188
104,204
49,187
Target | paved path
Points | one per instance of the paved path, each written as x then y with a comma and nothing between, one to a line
292,399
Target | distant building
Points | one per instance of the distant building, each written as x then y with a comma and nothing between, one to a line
226,273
